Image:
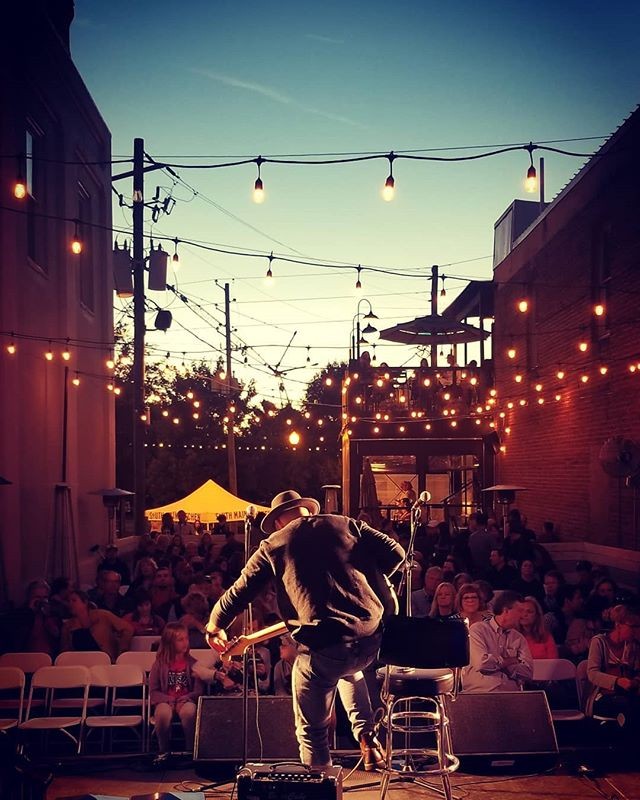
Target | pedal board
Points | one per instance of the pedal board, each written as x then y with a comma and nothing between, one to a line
289,781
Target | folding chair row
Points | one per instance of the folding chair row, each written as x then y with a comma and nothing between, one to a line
108,677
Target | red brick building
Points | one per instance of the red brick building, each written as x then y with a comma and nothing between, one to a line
567,368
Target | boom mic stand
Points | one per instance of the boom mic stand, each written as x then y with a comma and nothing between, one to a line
247,619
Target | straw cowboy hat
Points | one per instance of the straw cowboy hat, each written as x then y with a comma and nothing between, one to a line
283,502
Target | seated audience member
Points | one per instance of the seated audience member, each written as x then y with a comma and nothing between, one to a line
143,575
284,666
528,584
162,543
500,659
59,598
481,543
486,593
614,670
501,575
163,593
183,527
540,641
582,629
174,688
34,628
107,595
551,582
113,563
444,602
94,628
142,619
422,598
167,525
145,549
605,590
460,580
469,604
220,527
584,576
195,617
205,544
182,575
569,603
517,546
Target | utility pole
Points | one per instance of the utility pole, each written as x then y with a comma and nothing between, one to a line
231,440
434,311
139,430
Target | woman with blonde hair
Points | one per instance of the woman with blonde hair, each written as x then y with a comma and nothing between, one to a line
469,604
531,626
174,688
444,602
613,669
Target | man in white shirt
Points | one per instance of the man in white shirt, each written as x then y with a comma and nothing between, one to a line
500,658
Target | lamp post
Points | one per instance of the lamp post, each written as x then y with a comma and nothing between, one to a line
357,335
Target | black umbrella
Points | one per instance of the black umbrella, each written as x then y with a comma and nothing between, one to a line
433,329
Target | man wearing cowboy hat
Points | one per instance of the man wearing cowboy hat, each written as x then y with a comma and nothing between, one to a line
331,583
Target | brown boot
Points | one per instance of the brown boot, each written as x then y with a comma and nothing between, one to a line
371,751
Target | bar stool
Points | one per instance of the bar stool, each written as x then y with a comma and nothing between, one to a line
423,658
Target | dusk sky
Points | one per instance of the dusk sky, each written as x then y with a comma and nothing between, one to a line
207,82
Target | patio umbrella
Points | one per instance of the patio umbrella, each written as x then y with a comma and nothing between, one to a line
368,493
433,329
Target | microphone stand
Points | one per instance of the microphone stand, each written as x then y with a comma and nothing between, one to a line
407,577
247,618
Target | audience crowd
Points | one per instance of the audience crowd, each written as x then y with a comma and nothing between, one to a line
518,606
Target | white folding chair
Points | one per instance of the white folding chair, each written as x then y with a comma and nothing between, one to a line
144,659
559,669
82,658
143,642
111,678
51,680
28,663
12,681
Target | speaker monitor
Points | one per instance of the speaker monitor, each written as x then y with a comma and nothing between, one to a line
271,734
502,729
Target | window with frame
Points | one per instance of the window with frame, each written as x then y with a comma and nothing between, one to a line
86,258
35,169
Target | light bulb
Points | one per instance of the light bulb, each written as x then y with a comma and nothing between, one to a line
19,189
76,381
258,191
66,355
523,306
76,246
389,189
583,347
49,355
604,369
358,281
560,374
110,363
531,181
511,352
294,438
598,310
11,349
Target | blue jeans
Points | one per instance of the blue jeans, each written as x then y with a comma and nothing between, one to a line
317,675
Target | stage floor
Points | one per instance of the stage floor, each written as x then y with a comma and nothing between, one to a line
563,783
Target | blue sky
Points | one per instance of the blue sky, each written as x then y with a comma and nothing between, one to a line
218,79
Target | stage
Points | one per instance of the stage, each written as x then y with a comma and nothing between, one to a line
611,779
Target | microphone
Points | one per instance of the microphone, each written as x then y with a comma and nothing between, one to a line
250,512
423,499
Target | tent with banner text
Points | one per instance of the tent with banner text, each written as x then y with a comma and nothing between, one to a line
204,504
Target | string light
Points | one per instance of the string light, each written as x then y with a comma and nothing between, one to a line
76,380
66,355
511,352
443,291
598,310
175,258
560,374
269,275
358,281
11,348
389,188
603,369
76,242
49,354
583,346
523,306
258,186
19,187
531,181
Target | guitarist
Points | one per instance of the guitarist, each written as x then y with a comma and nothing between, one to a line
331,574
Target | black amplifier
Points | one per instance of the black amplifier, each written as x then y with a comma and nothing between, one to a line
289,781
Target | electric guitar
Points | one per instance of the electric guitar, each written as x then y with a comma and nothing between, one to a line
238,645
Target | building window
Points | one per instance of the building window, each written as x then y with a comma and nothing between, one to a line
87,257
36,200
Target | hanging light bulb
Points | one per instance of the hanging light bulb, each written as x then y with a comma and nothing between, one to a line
294,438
443,291
598,310
583,346
76,242
531,181
603,369
389,188
308,354
511,352
11,348
523,306
175,259
258,186
76,380
358,281
66,355
49,354
20,186
269,275
560,374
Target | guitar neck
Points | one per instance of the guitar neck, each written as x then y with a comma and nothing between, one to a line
266,633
